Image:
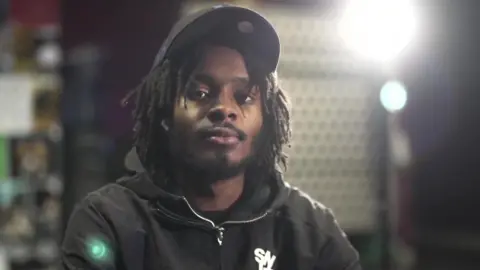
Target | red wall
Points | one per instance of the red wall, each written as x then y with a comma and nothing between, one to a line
35,12
130,33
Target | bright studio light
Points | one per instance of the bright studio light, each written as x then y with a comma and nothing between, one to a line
393,96
378,29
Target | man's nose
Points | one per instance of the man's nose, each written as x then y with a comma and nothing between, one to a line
223,111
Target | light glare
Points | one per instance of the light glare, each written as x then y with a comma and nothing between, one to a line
393,96
378,29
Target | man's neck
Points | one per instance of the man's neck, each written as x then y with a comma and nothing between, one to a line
224,194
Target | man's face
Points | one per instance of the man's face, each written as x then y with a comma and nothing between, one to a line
216,121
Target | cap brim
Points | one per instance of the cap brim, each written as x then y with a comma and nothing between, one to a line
261,38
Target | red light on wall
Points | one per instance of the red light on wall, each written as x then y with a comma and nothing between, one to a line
35,13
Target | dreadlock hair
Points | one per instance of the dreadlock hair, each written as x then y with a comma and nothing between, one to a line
159,91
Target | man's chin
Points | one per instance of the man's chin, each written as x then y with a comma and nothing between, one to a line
219,167
216,167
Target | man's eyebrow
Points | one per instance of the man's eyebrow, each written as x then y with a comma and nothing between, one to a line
204,78
241,80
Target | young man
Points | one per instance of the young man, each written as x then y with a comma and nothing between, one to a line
208,192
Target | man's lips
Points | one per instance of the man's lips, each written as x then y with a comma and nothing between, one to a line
220,135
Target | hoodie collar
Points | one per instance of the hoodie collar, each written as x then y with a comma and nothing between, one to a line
266,195
263,198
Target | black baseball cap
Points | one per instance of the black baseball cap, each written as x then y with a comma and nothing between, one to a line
255,33
245,26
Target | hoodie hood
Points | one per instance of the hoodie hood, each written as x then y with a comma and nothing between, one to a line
265,197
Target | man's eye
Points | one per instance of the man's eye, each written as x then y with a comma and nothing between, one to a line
244,98
200,94
248,99
197,94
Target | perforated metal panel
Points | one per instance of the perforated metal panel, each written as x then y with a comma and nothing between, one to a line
330,156
333,101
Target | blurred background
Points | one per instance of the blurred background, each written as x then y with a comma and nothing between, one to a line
384,94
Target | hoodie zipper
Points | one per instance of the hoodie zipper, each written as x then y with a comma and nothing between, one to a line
246,221
220,228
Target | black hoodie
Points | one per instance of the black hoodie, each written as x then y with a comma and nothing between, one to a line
133,224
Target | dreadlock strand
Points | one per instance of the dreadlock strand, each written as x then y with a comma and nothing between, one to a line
150,95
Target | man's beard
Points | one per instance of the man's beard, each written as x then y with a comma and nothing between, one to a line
211,170
203,172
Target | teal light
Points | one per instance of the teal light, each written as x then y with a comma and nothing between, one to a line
98,250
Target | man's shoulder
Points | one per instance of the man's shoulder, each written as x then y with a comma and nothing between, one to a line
316,227
115,203
110,191
302,201
301,207
111,196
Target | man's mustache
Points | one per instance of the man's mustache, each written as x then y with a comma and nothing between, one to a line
241,135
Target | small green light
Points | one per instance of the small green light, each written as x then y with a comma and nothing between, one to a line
97,249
